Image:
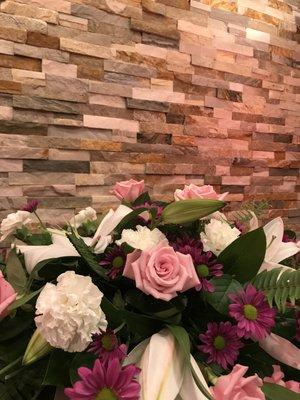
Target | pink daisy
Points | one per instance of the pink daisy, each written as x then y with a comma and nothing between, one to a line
31,206
106,382
221,343
114,260
252,312
106,346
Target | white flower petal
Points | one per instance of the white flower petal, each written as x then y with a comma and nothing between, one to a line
189,389
142,238
61,247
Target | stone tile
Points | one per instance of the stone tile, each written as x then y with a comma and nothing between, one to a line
15,35
129,69
36,52
40,178
23,23
57,68
7,165
42,40
93,121
74,46
11,7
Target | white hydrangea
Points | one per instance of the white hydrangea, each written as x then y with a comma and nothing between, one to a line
88,214
218,235
13,222
69,313
143,238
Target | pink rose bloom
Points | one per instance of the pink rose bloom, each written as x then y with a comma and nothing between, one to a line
7,296
128,190
278,377
235,387
161,271
198,192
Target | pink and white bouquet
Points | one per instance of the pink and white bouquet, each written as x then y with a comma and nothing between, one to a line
151,301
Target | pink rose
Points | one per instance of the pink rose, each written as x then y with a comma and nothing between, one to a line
278,377
161,271
235,387
198,192
7,296
128,190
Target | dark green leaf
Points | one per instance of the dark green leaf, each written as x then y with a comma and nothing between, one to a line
223,287
128,218
81,360
113,314
11,327
243,257
87,255
23,300
16,275
276,392
142,199
57,373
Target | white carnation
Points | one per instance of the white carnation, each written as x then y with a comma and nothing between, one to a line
13,222
218,235
69,313
88,214
143,238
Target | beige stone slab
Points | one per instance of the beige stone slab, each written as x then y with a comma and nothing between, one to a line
94,121
20,22
52,67
56,5
39,52
85,48
40,178
11,165
30,11
105,100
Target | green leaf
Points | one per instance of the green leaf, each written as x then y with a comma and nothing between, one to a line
81,360
113,314
243,257
23,300
279,286
87,255
11,327
57,373
277,392
223,287
180,212
128,218
182,338
142,199
16,275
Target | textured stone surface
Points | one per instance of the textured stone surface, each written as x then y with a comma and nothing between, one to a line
94,91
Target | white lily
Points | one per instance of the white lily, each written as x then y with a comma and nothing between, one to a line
60,247
164,372
102,237
277,250
282,350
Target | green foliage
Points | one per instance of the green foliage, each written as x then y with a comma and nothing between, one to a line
57,373
142,199
16,275
183,340
88,228
24,300
34,239
258,207
243,257
277,392
279,286
223,287
87,255
180,212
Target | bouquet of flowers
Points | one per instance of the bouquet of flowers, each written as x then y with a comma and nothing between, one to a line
152,301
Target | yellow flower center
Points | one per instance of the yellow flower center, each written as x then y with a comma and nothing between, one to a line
219,342
106,394
107,342
250,312
118,262
202,270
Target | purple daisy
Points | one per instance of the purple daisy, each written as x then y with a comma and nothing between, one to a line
31,206
106,382
221,343
114,260
206,263
106,346
252,312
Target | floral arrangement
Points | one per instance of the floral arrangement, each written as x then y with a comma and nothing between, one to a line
152,301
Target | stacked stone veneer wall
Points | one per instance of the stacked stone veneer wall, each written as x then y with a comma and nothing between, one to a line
172,91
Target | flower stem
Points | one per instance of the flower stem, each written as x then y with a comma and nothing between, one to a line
40,221
9,366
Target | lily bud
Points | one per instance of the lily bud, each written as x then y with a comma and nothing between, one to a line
165,372
180,212
37,348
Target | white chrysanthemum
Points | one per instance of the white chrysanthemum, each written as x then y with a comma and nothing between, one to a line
69,313
13,222
218,235
88,214
143,238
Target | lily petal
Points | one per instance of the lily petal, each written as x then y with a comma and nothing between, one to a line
61,247
109,222
282,350
189,389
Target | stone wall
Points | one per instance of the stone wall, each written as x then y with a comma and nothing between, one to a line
172,91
